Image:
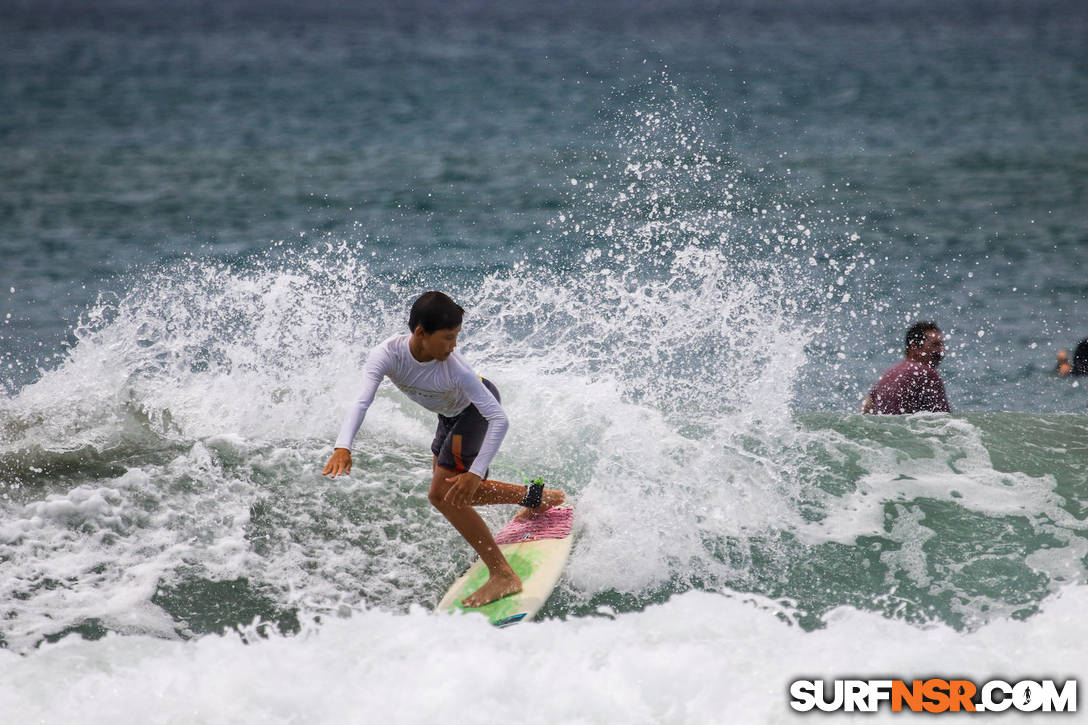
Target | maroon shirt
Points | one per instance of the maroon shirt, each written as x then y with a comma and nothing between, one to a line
909,387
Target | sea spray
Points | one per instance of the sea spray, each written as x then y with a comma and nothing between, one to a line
164,477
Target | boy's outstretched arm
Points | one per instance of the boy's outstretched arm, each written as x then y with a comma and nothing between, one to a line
373,372
339,462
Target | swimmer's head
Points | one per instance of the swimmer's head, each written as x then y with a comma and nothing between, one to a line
1063,356
925,343
1080,358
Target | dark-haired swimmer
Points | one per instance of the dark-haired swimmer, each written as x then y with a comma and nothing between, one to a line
471,426
1080,358
913,385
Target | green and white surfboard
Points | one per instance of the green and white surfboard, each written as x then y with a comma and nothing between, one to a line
537,550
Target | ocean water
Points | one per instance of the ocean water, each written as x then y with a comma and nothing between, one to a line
688,237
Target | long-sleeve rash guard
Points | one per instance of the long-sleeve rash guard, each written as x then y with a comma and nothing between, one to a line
445,387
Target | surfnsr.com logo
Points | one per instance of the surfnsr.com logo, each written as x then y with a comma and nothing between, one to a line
934,695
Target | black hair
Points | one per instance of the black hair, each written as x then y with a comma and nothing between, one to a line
435,311
916,333
1080,358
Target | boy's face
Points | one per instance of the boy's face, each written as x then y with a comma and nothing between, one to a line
440,343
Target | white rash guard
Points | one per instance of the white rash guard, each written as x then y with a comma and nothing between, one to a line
445,387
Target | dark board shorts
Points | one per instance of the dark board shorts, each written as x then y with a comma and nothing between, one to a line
457,440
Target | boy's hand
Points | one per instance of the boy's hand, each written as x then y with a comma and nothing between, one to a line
463,489
340,462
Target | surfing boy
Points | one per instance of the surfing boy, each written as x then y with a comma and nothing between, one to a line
471,426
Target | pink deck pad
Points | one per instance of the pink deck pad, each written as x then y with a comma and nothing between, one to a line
552,524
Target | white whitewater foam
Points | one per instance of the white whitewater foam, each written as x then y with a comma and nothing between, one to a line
698,658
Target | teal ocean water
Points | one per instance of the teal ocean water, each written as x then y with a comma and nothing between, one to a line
688,237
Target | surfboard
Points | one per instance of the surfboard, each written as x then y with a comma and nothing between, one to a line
538,550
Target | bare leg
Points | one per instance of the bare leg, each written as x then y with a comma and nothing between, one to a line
495,492
551,498
503,580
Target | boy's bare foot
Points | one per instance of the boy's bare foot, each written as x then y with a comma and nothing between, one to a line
496,587
552,498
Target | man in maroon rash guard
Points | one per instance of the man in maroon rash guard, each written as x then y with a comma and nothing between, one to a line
913,385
